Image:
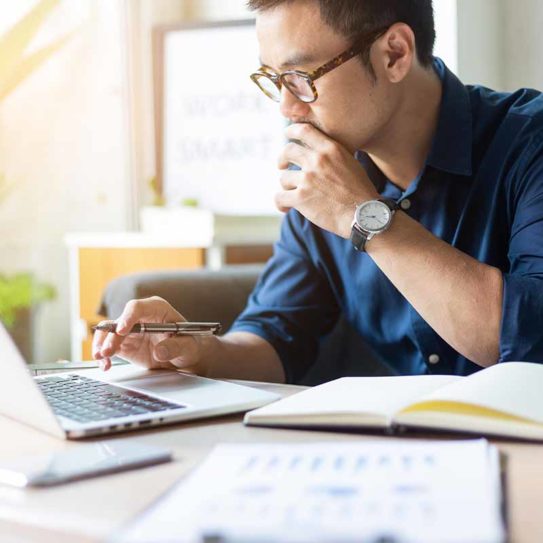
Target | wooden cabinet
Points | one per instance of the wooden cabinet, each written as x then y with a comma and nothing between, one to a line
97,259
97,267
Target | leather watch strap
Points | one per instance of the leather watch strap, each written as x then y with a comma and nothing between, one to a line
358,238
392,204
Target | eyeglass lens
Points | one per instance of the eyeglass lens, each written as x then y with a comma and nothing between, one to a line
268,87
296,84
299,86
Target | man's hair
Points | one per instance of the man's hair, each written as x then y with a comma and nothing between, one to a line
355,18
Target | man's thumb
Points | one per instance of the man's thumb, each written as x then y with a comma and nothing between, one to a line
172,348
162,352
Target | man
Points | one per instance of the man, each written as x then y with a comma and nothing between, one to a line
442,268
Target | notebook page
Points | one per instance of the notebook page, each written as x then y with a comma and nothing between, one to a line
511,388
423,492
381,396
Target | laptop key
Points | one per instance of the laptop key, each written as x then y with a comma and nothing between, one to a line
85,400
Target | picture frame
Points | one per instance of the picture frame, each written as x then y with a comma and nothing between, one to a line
217,137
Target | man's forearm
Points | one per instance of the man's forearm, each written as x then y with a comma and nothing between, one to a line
459,297
242,355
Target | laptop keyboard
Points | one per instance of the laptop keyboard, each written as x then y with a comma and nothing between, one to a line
87,400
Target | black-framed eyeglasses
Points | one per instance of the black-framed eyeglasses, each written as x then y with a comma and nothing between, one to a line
302,84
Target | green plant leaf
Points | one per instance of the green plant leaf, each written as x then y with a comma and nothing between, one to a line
158,199
21,291
189,202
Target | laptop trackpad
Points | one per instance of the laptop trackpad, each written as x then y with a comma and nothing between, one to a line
176,386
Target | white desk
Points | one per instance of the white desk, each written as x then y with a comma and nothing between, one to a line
88,511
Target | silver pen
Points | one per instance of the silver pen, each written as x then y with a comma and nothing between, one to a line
177,328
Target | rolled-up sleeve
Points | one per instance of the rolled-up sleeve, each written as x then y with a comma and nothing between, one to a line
292,305
521,335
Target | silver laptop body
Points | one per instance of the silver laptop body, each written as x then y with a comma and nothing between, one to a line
179,396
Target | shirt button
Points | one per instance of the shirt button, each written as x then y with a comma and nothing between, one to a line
433,359
405,204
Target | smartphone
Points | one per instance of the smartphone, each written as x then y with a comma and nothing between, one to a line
80,462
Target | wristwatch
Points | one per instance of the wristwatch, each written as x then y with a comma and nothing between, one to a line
371,218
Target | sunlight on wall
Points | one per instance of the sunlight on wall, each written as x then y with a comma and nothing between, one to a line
12,12
63,145
445,13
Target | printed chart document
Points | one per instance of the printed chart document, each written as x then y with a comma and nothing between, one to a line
504,399
401,491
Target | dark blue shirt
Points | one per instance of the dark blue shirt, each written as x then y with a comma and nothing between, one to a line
481,191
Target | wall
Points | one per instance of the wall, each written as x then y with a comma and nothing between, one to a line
500,43
446,21
143,16
221,9
63,144
480,41
523,67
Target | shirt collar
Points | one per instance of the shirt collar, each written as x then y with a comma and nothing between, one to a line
451,149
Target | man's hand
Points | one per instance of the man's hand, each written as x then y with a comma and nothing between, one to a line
330,182
153,351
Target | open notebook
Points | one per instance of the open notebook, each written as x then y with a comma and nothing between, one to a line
505,399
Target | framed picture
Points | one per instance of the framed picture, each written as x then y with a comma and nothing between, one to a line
218,137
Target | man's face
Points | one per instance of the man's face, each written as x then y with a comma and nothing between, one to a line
350,106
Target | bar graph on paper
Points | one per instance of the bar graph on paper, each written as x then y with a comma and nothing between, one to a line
328,488
404,491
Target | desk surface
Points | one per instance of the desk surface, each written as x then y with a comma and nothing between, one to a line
89,511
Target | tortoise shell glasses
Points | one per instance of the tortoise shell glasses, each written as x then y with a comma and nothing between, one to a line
302,84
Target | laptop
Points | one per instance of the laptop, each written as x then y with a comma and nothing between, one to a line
91,402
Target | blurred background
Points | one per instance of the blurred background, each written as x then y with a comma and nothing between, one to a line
94,98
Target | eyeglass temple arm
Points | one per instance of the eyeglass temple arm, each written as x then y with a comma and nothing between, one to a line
356,49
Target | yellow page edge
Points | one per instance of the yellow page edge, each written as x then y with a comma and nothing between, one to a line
461,408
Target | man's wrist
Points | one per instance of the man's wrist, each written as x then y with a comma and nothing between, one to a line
398,233
208,347
349,214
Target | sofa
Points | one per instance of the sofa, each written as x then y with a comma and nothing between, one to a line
207,295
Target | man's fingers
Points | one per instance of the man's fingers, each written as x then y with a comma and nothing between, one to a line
285,200
106,344
136,311
309,136
290,179
153,309
181,351
111,344
148,309
293,153
97,341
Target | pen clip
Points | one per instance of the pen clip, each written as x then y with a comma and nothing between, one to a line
197,328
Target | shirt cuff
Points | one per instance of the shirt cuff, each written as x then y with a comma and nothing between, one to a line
282,347
521,335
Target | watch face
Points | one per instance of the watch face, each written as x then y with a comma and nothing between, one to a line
373,216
